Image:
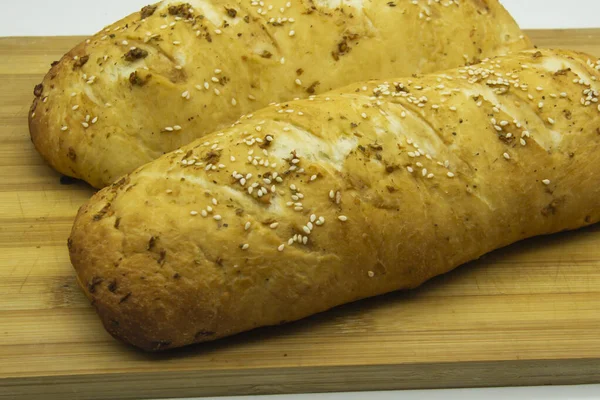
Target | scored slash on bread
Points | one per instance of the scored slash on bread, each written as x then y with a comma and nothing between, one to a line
176,71
306,205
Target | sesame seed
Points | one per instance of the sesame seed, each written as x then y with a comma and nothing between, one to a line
371,274
343,218
204,213
507,156
281,247
218,31
193,213
306,229
551,121
64,128
217,217
245,246
75,107
450,175
292,33
546,182
85,125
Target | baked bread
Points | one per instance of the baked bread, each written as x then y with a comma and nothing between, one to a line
174,72
310,204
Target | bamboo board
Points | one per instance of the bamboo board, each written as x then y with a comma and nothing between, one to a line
525,315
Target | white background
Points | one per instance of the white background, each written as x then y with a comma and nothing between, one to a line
83,17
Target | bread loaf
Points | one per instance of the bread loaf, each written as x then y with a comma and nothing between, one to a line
174,72
310,204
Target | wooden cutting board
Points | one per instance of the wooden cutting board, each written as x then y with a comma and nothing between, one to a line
525,315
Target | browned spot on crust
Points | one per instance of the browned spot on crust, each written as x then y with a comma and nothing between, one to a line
312,87
125,298
231,12
102,212
552,208
38,90
152,243
482,4
147,11
136,80
135,54
91,286
80,62
184,10
71,154
162,257
212,157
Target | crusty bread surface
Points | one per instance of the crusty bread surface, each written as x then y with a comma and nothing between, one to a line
174,71
309,204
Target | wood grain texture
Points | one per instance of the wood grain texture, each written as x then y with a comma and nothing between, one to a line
525,315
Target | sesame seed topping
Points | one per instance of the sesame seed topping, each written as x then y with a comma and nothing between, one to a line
193,213
507,156
343,218
217,217
245,246
292,33
450,175
371,274
281,247
546,182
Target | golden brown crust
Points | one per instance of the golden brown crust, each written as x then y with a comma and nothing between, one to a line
171,73
309,204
